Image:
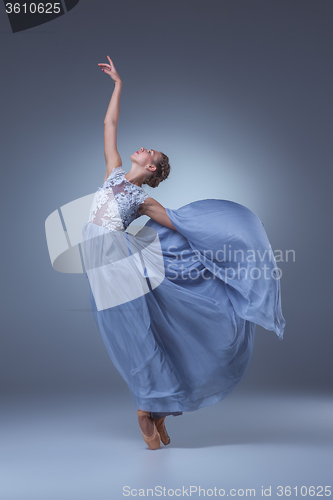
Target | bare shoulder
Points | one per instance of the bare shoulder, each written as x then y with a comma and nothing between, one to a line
147,205
153,209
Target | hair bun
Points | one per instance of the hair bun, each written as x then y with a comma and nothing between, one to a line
162,172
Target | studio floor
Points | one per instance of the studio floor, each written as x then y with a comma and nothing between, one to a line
89,447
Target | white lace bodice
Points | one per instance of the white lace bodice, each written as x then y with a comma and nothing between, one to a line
116,202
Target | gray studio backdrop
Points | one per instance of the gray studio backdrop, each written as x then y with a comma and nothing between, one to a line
237,94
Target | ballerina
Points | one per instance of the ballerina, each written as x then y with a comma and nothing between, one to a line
178,321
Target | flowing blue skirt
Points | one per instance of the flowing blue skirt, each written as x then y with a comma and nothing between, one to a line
182,332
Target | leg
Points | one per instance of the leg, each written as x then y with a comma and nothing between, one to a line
146,425
153,440
154,414
159,418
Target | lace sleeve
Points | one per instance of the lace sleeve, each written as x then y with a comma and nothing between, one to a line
117,170
129,201
141,197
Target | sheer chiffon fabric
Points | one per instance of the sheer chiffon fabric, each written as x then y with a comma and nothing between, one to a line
177,310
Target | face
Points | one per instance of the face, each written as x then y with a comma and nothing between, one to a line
145,157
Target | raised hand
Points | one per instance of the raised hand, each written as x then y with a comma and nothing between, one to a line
110,70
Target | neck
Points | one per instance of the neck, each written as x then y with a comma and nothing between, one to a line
134,177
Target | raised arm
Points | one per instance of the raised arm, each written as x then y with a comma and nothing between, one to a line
156,211
112,157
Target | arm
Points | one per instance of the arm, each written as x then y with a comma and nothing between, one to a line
111,119
112,114
112,157
156,211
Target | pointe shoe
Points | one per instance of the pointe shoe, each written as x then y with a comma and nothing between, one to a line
154,441
160,426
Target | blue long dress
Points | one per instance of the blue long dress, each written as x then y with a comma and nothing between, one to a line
177,310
